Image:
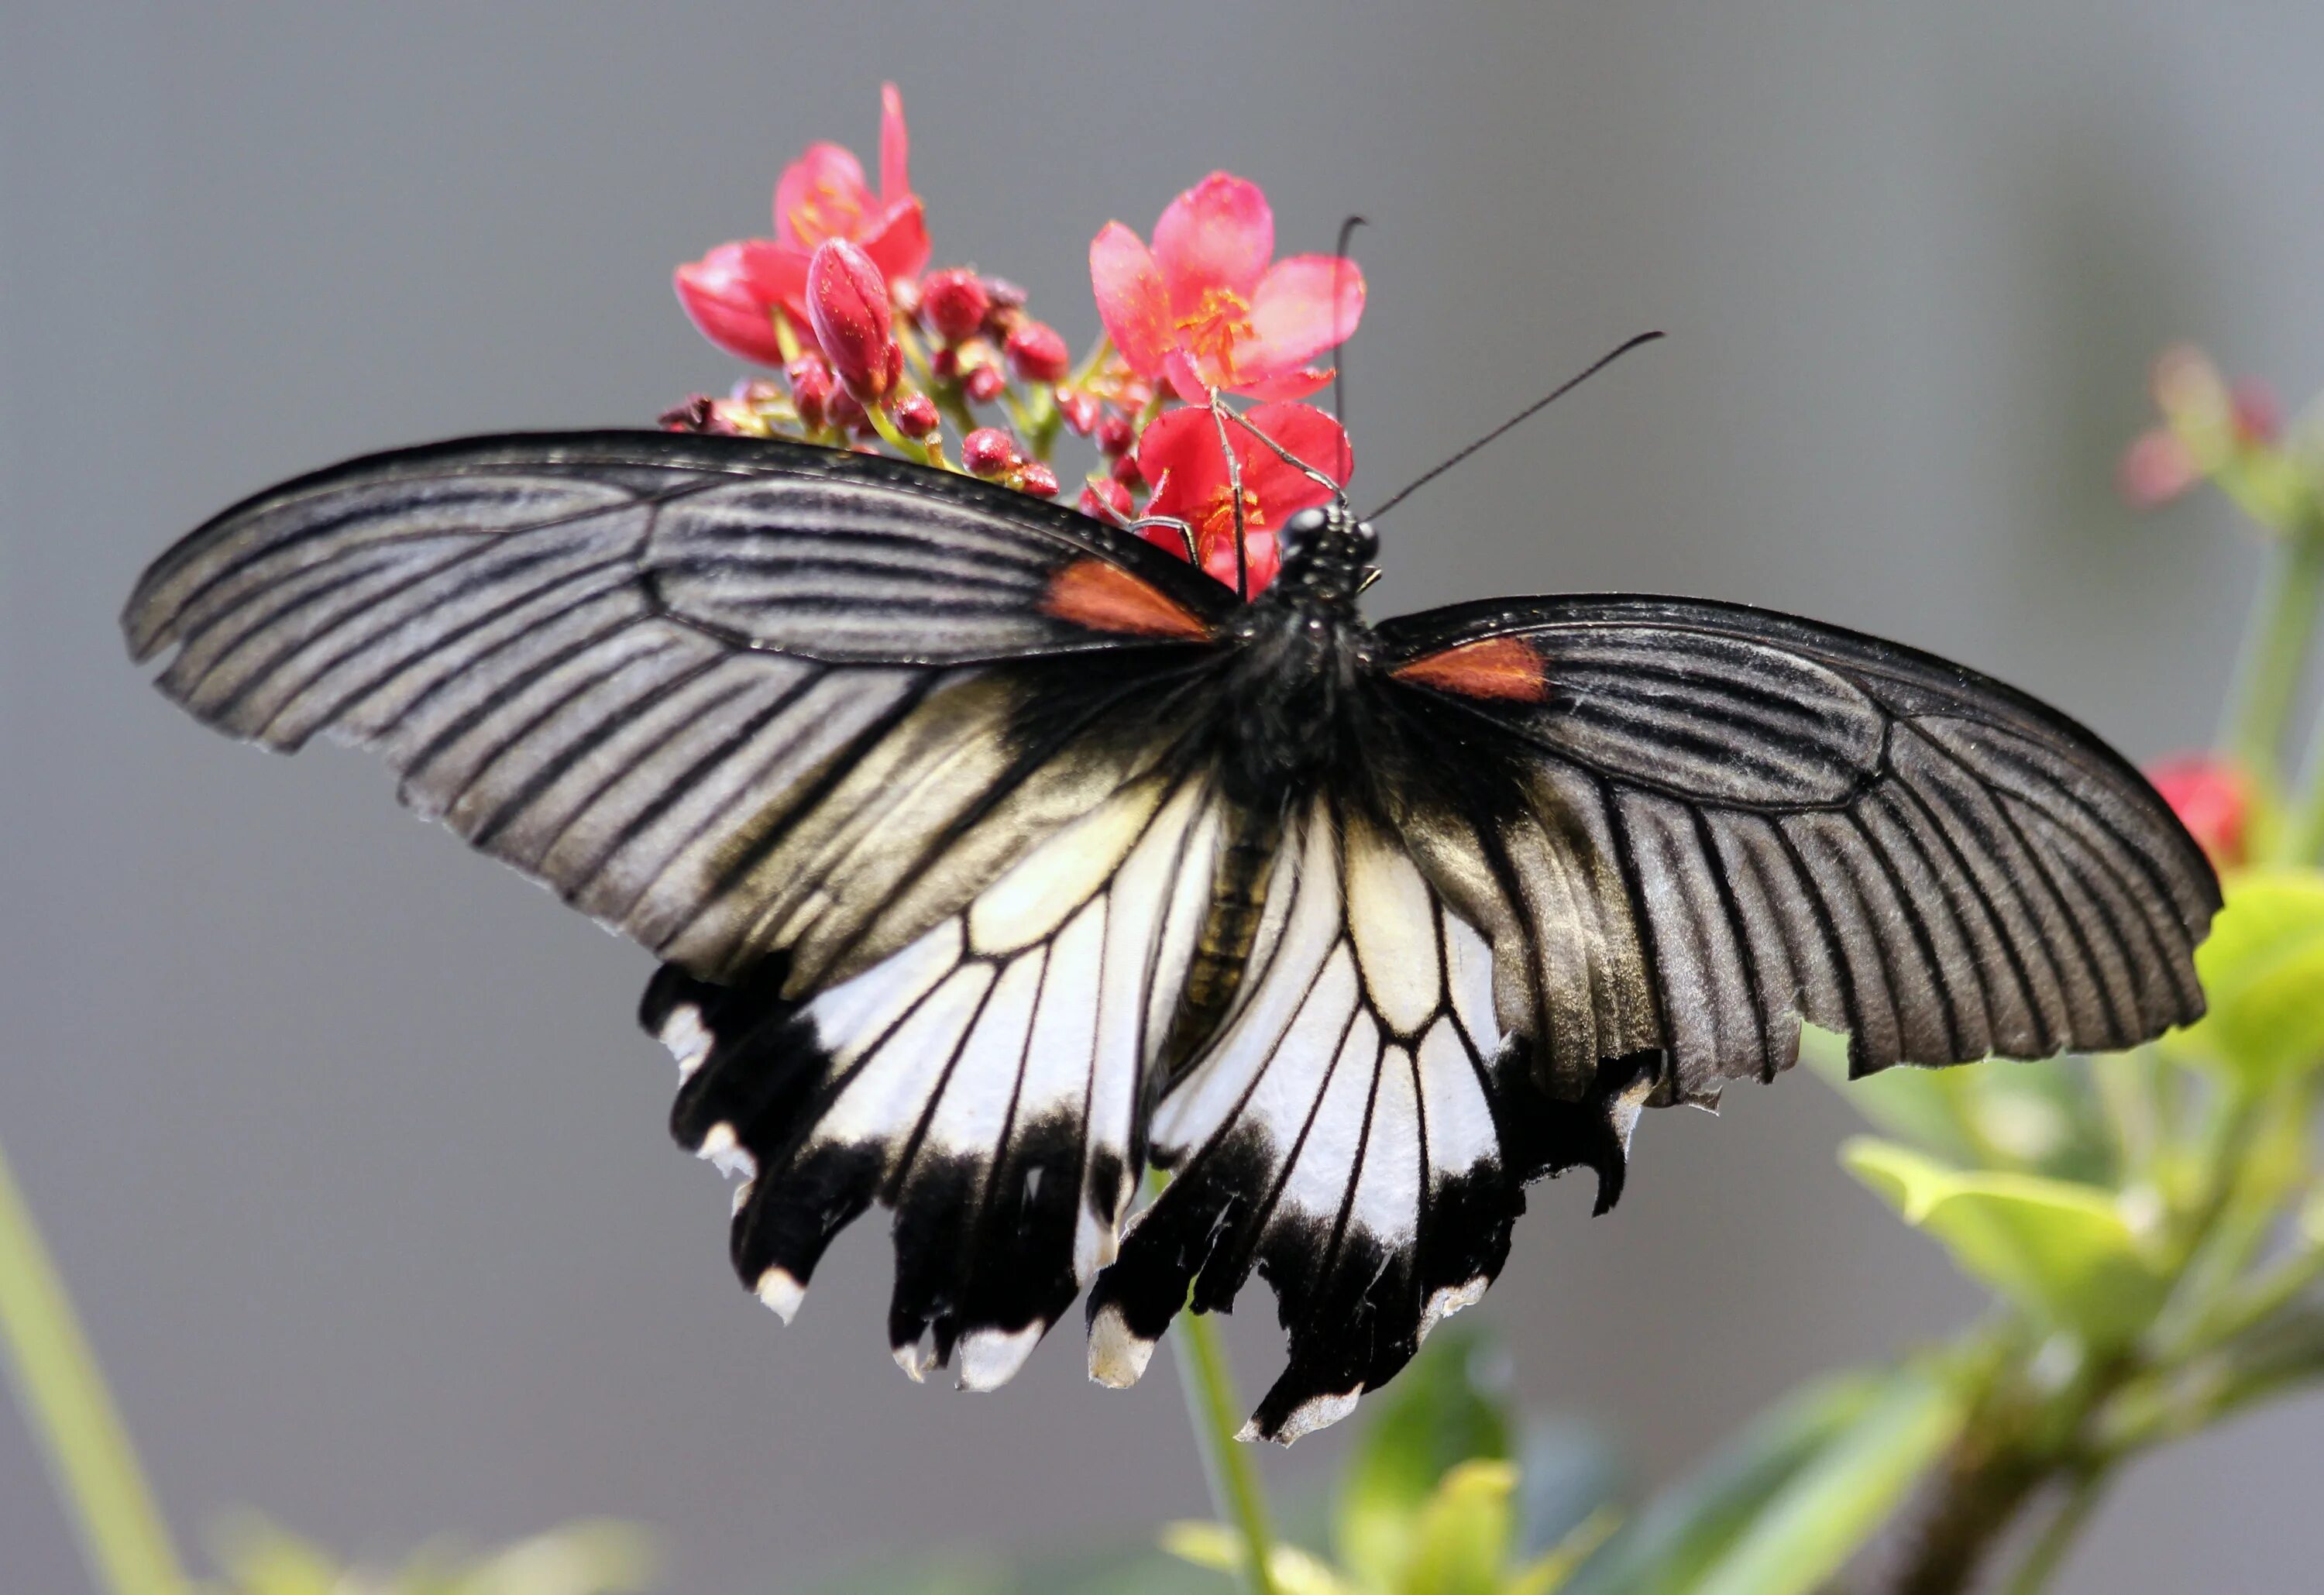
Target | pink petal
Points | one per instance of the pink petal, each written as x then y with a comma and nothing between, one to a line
899,241
725,295
1131,301
1217,233
1191,380
822,195
1179,453
1261,556
1293,313
1297,384
1300,430
895,148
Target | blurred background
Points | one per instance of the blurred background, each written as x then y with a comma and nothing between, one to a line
347,1140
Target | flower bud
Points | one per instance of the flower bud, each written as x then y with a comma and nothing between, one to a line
1104,499
847,412
1115,434
811,388
983,383
915,415
1037,352
1038,479
2213,800
952,302
1126,472
1081,411
693,416
944,364
989,452
847,302
1007,301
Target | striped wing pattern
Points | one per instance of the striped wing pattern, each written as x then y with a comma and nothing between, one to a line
632,664
1717,822
1352,1134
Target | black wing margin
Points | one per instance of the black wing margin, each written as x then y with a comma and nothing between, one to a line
1691,826
640,665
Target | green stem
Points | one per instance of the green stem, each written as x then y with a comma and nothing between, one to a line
2303,829
70,1411
2275,652
2042,1563
1216,1412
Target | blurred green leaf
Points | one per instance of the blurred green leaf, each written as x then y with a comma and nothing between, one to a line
1928,1107
1547,1573
2064,1252
1463,1533
1810,1528
2262,969
2044,1116
1216,1547
587,1558
1436,1415
1568,1473
1665,1550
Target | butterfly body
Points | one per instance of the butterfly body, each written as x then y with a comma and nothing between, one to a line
994,855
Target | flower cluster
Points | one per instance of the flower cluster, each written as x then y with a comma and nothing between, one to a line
876,350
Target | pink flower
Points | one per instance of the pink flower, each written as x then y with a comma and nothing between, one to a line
726,293
1179,453
2155,469
847,305
2213,800
732,292
1205,308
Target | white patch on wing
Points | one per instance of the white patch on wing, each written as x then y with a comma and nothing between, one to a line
989,1358
1457,1114
1117,1358
1042,889
1386,1202
687,1039
975,1110
1470,958
781,1293
1319,1181
1321,1412
854,1014
1394,931
887,1095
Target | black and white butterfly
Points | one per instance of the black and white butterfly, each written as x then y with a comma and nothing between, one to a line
996,856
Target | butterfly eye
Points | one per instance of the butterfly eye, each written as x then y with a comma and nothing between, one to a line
1366,541
1306,524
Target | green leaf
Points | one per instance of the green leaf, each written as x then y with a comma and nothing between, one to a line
2061,1251
1665,1550
1831,1507
2262,969
1216,1547
1462,1533
1435,1416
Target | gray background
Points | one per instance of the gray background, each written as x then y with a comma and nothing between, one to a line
345,1138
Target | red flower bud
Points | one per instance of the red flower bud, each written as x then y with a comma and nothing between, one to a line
1115,434
2213,799
915,415
1007,299
989,452
944,364
847,302
1103,498
953,303
693,416
1126,472
983,383
847,411
810,389
1037,351
1038,479
1080,410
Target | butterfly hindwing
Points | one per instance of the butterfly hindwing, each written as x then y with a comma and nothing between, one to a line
1757,820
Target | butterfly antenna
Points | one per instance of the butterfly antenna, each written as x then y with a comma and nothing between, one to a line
1559,392
1340,338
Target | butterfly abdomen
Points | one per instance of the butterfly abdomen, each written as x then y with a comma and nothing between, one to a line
1239,881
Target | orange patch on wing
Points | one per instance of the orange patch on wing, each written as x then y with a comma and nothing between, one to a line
1497,668
1107,598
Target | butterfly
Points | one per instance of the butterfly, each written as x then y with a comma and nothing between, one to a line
995,857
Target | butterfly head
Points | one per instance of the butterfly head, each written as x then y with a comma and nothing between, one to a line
1327,556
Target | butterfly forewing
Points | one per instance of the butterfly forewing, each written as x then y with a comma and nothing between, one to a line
1806,825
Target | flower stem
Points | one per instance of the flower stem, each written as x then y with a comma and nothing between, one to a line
69,1408
2275,652
1214,1409
2058,1536
2303,830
